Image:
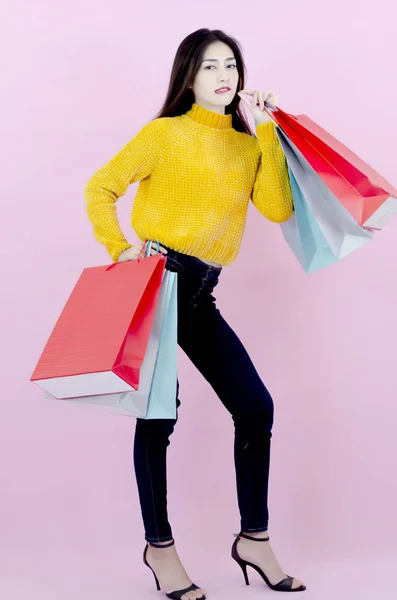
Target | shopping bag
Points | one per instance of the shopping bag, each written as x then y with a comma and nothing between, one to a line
156,396
367,196
341,231
99,342
163,391
304,236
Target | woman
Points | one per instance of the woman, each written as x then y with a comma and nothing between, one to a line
198,166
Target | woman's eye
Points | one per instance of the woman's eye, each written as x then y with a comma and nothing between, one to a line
210,66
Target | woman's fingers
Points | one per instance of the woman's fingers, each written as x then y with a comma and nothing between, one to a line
271,98
137,251
268,96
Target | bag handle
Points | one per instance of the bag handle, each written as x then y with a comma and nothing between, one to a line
277,114
270,109
146,249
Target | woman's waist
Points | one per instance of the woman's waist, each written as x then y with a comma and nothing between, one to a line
215,247
187,261
182,262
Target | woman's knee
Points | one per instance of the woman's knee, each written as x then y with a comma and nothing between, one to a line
256,415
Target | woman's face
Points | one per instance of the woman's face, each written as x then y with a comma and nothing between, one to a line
218,69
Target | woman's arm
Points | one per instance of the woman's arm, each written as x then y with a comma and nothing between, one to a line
271,193
135,161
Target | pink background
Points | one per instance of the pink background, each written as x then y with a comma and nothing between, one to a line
78,80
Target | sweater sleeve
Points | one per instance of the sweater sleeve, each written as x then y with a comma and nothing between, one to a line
135,161
271,193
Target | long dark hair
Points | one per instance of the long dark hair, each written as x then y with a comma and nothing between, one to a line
187,62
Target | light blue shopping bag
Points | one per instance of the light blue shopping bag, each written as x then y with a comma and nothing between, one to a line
162,398
304,236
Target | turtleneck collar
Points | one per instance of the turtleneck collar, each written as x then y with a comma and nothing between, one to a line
209,117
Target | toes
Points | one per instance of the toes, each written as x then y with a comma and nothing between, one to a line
198,594
296,583
194,595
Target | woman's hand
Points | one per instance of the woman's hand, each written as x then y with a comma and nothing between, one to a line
256,103
136,250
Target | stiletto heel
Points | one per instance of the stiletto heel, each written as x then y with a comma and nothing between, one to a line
177,595
244,569
285,585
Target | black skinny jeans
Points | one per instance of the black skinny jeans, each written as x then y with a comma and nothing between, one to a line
221,358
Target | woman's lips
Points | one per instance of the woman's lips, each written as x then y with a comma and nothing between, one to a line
222,91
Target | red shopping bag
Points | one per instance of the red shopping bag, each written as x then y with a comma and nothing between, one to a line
99,341
368,197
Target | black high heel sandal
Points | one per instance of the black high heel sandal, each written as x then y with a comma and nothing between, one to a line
285,585
177,595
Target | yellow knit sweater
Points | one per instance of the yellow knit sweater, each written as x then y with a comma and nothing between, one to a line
197,175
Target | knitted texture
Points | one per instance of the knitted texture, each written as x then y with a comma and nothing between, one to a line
197,175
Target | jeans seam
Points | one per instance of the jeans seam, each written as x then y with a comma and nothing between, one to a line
151,485
257,529
204,280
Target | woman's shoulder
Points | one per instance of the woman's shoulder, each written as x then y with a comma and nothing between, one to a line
158,130
159,124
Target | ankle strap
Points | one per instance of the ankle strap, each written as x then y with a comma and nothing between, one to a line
162,545
248,537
